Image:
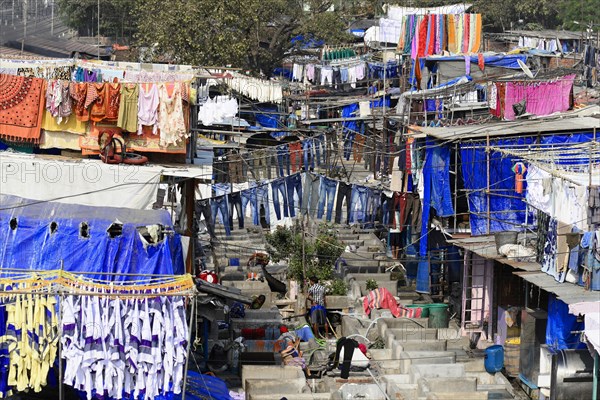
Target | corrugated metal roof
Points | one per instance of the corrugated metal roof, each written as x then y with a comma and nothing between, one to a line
56,47
16,54
544,33
485,246
559,123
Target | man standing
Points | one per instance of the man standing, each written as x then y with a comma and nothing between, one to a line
318,312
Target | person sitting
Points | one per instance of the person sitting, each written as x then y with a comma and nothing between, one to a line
292,356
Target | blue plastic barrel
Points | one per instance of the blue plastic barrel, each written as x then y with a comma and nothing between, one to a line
494,359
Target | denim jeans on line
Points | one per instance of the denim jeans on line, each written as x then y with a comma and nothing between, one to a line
326,191
203,208
358,213
235,201
283,159
262,198
278,187
344,192
249,197
348,143
385,209
374,203
220,204
294,182
319,142
310,197
307,151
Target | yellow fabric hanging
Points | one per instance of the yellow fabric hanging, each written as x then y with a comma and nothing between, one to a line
69,124
451,29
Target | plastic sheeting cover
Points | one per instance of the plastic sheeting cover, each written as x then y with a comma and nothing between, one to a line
30,243
204,387
436,181
507,209
560,325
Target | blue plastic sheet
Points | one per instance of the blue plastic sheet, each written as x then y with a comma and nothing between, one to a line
560,325
423,277
436,181
269,118
507,209
505,61
32,245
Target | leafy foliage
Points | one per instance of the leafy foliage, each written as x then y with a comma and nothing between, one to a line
253,34
115,17
320,252
337,287
372,284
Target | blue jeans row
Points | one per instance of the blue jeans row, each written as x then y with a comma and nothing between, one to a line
316,196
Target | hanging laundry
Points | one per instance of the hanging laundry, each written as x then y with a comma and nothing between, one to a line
171,121
148,101
128,108
217,110
31,340
21,108
137,349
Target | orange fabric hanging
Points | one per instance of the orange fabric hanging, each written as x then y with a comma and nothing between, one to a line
477,31
451,29
22,102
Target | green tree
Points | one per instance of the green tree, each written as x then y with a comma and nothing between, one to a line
319,253
252,34
115,17
582,11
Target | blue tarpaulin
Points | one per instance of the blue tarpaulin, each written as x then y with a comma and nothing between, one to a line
506,213
507,209
204,387
436,182
269,118
502,60
560,325
30,243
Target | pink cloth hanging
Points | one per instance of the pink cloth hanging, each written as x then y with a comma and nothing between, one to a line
541,98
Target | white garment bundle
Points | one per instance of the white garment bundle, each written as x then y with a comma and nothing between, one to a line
216,110
124,347
262,90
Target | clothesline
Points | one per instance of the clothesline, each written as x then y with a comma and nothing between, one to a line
63,282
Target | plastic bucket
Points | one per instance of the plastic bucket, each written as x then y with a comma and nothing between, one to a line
494,359
506,237
438,315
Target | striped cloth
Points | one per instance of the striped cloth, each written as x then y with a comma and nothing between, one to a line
381,298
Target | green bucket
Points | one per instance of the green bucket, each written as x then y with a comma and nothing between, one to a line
438,315
423,307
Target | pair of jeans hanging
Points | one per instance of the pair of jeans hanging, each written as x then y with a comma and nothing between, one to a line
326,193
310,197
203,208
344,192
278,187
249,197
283,160
294,184
217,204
